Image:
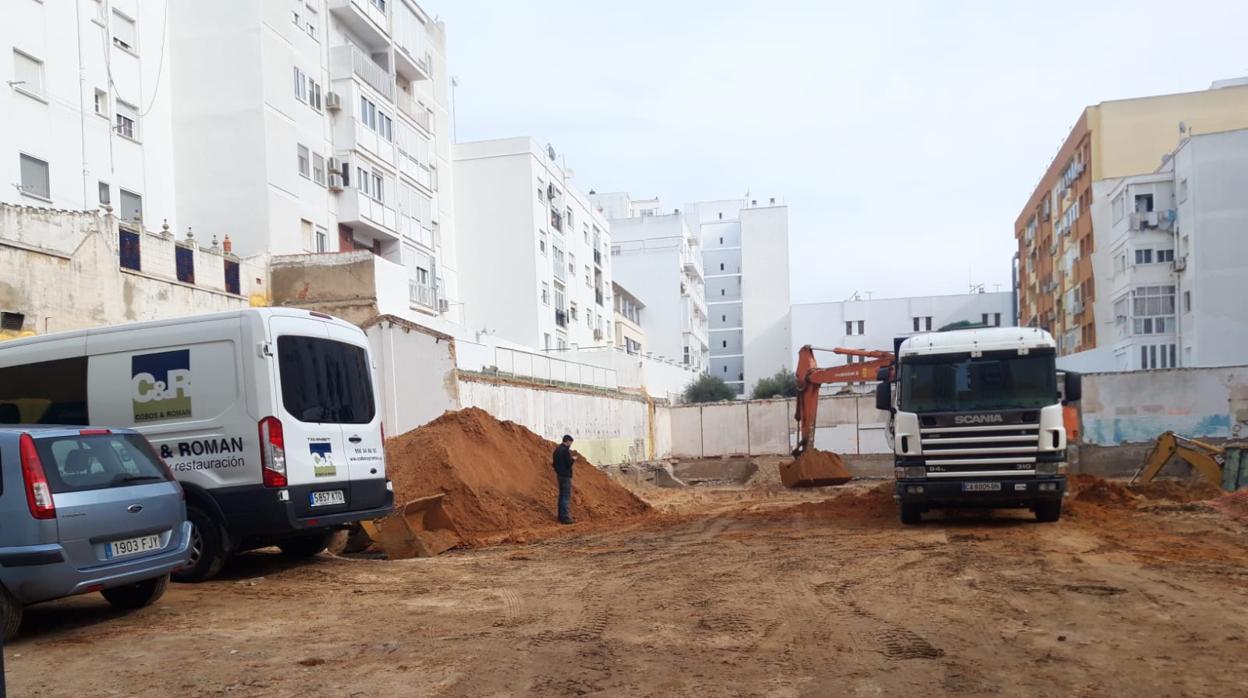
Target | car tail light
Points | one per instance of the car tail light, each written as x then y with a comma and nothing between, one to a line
272,452
38,493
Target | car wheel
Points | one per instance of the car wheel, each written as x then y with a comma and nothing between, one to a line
12,610
1049,511
138,595
911,514
305,546
207,551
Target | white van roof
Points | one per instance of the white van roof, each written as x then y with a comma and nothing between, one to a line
261,313
986,339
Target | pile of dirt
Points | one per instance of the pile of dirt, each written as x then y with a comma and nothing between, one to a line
1182,492
1233,504
875,502
497,478
1090,489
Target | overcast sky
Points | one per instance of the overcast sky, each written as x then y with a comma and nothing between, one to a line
904,136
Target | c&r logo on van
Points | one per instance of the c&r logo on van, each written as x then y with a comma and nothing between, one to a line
322,459
161,386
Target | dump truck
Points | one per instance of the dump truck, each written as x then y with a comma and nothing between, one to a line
976,420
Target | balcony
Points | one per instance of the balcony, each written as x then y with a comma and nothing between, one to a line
411,65
559,267
359,210
1153,220
365,19
346,62
420,294
415,111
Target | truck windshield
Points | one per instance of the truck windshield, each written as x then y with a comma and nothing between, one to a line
993,382
325,381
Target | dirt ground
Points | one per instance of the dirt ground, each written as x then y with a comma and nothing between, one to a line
726,591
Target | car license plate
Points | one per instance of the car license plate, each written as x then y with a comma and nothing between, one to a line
327,498
981,487
132,546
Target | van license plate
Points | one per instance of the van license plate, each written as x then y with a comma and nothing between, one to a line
132,546
327,498
981,487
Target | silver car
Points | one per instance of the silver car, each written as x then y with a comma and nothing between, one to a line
85,510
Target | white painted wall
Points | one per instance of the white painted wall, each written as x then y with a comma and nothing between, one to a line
1137,406
416,372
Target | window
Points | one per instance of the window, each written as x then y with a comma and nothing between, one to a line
129,251
123,32
541,194
305,229
63,382
301,85
1143,256
86,463
101,103
541,242
1143,203
232,284
127,121
996,319
1164,256
379,4
35,177
131,207
318,169
105,196
546,341
922,323
545,293
303,160
368,113
1187,301
1183,190
184,263
27,74
378,188
1152,309
861,326
850,327
385,127
325,381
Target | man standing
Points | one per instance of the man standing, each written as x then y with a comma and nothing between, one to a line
563,471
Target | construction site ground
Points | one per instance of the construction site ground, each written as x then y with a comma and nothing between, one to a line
726,590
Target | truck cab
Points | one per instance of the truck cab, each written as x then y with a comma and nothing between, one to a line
976,420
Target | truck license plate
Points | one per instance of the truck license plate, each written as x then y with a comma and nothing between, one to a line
132,546
981,487
327,498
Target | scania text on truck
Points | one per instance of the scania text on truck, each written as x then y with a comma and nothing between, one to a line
268,417
976,420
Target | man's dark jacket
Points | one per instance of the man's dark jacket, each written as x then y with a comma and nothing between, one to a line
563,461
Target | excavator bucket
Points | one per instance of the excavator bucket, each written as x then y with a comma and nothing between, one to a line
814,468
420,528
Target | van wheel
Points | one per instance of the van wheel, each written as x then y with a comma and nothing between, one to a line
144,593
207,551
911,514
1049,511
306,545
12,610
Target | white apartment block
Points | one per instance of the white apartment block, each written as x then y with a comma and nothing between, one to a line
291,125
86,108
1175,259
875,323
745,255
658,257
541,252
629,313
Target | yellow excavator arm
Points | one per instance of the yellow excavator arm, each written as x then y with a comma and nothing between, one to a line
1205,458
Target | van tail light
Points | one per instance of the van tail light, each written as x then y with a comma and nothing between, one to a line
272,452
38,493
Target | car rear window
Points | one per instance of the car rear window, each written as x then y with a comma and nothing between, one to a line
325,381
95,462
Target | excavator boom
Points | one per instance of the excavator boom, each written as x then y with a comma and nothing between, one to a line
1204,458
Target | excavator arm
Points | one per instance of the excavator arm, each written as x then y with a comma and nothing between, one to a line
1205,458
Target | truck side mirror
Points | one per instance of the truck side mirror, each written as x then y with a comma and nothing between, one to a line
882,374
883,397
1074,387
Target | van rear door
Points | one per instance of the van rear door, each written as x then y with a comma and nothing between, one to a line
310,399
362,427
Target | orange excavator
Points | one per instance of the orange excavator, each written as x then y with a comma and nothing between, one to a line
810,466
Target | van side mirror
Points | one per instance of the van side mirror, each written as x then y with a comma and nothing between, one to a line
883,396
1073,390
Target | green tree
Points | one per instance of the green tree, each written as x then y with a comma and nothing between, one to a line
959,325
708,388
782,384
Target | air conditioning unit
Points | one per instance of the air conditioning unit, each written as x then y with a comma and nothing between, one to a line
335,165
332,101
335,181
444,305
1180,263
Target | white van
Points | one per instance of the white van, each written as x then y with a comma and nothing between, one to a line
268,418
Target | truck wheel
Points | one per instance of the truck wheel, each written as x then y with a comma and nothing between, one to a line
12,618
1049,511
138,595
306,545
207,551
911,514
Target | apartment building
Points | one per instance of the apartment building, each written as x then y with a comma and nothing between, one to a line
629,334
745,255
873,323
1057,287
87,108
1176,260
292,126
540,272
658,257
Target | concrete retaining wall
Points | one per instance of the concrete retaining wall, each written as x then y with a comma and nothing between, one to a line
847,424
1137,406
